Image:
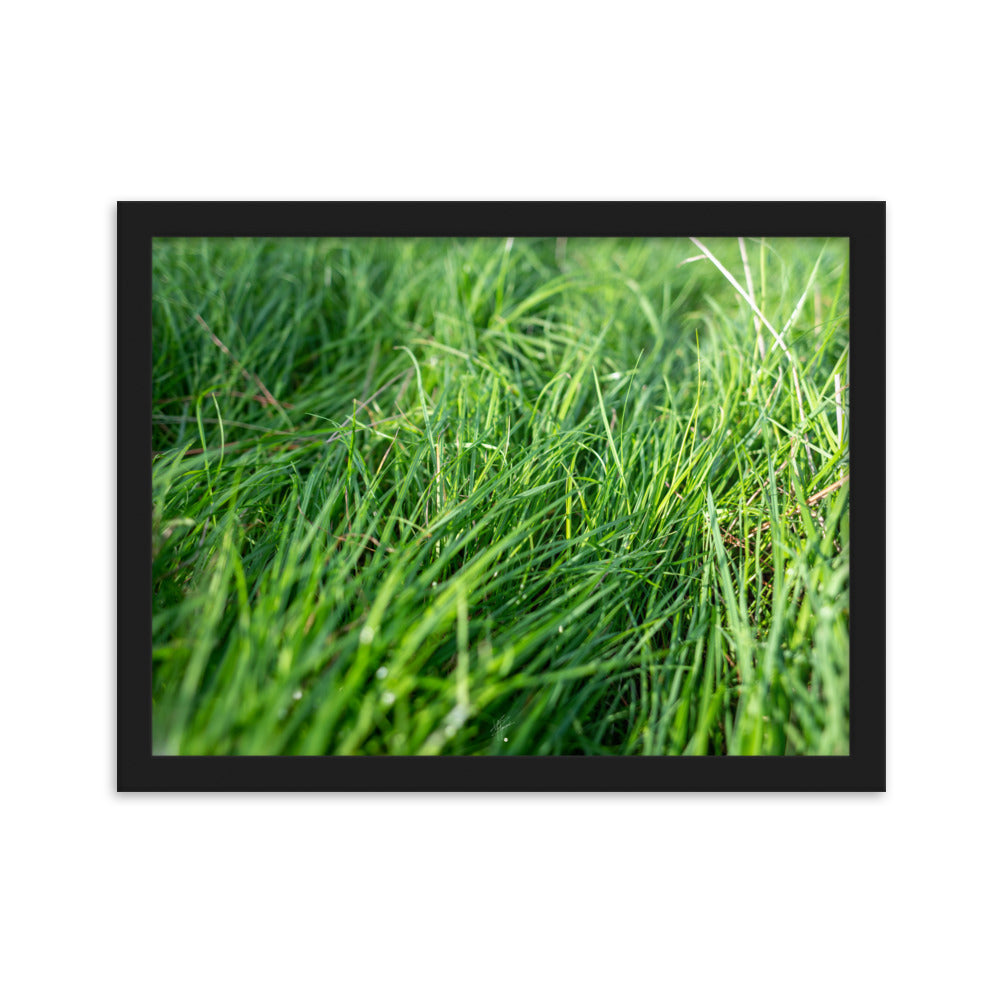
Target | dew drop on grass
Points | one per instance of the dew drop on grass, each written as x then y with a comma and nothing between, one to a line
382,673
367,635
297,695
388,697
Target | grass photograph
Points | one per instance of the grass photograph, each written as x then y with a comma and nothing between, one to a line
500,496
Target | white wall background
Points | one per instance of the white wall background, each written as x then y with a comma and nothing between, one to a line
505,896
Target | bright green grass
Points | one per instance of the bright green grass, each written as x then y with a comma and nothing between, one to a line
499,497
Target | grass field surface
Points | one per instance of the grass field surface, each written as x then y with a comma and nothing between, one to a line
500,496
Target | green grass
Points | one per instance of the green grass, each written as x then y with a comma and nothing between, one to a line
500,497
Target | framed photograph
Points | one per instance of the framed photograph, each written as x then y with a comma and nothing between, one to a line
501,496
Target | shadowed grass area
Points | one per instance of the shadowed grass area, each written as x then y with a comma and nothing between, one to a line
500,496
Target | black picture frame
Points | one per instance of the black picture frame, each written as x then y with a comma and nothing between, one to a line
863,223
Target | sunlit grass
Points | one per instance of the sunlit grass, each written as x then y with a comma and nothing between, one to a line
500,496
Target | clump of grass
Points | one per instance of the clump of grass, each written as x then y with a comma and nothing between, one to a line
500,496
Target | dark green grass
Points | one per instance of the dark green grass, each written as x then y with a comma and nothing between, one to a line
491,496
